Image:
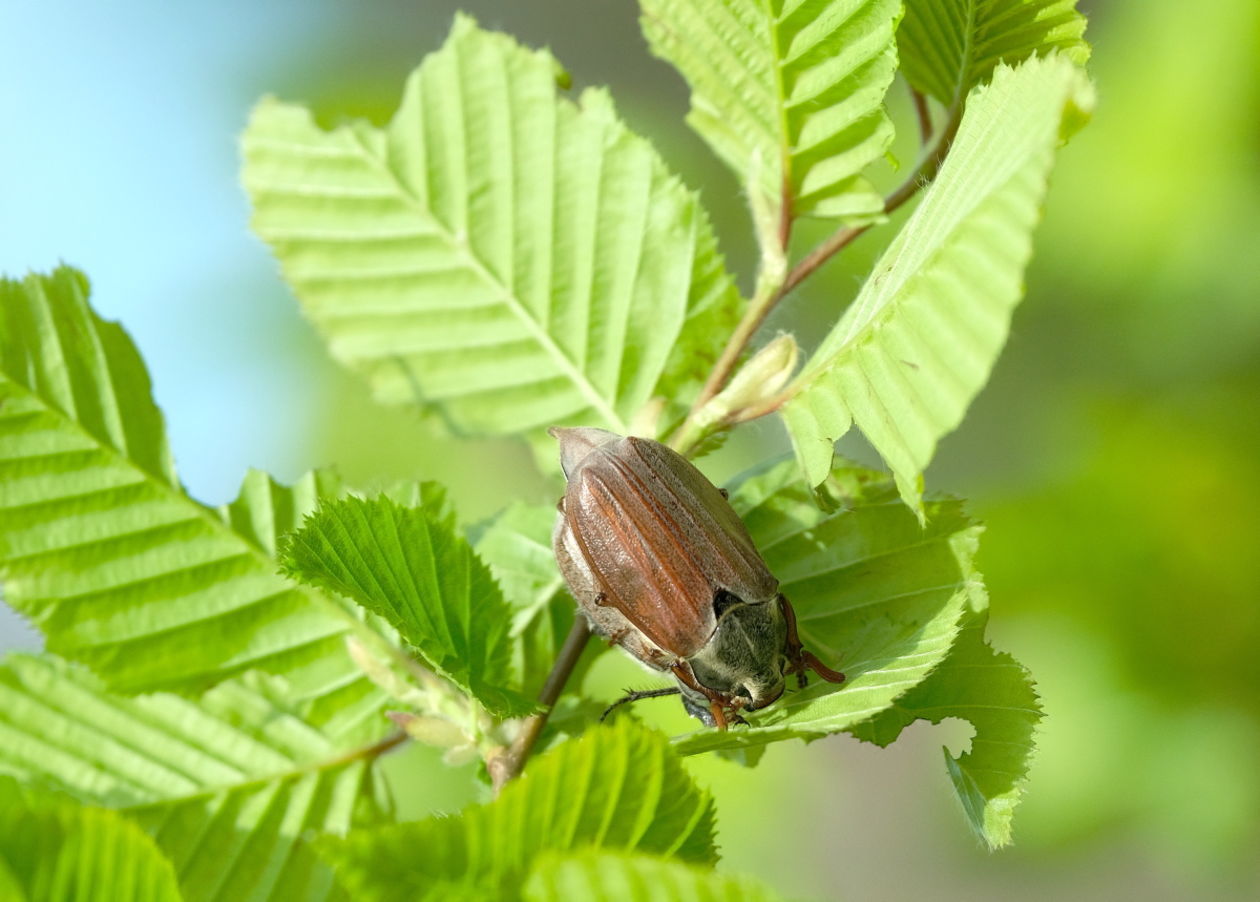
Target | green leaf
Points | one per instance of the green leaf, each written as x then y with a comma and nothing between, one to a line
917,344
512,259
516,545
52,849
595,876
876,595
230,785
618,787
104,551
995,693
789,94
253,841
950,46
411,566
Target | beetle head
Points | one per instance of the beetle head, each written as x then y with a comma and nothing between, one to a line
744,660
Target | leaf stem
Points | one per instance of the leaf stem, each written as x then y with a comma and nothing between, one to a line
368,752
509,764
768,296
758,309
923,114
931,164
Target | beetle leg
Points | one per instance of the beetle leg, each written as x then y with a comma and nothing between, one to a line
794,649
800,659
634,695
719,716
831,676
684,674
724,714
616,637
722,708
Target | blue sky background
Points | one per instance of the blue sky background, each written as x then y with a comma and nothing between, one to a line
121,160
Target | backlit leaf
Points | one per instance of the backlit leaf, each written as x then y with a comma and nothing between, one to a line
619,787
513,259
918,342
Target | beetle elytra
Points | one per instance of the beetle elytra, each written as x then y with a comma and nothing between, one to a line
662,565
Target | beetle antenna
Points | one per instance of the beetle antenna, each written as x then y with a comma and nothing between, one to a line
634,695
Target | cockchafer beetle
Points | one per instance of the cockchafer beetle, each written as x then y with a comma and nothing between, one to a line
661,564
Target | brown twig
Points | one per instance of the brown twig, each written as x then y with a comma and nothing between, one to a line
509,764
931,165
758,309
923,173
368,752
761,306
923,114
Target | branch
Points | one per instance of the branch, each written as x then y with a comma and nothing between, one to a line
922,175
368,752
766,300
508,765
923,114
758,309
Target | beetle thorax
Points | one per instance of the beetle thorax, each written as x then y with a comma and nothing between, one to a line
744,659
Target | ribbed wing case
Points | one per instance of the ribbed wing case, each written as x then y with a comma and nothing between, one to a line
659,539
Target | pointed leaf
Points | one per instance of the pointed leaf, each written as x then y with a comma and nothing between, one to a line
229,785
413,568
950,46
876,595
618,787
995,693
253,841
596,876
917,344
789,94
104,551
516,545
510,258
52,849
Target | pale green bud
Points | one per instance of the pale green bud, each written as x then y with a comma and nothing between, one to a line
435,731
757,382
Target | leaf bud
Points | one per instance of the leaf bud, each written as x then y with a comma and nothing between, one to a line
756,383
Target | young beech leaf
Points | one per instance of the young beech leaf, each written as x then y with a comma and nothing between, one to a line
104,551
230,785
411,566
511,258
618,787
917,344
875,594
516,545
51,848
789,95
950,46
995,693
593,875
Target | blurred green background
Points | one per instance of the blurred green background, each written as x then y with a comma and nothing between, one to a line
1114,456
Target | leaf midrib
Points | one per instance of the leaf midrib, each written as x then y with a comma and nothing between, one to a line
861,320
207,514
365,754
570,369
967,58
